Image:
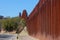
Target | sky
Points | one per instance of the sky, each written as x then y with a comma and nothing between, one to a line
13,7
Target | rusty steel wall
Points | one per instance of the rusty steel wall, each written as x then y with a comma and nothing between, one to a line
24,14
44,20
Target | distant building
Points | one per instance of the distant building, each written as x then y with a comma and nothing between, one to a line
1,17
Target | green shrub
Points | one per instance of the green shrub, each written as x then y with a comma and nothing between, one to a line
10,24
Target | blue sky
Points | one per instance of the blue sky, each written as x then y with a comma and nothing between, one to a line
13,7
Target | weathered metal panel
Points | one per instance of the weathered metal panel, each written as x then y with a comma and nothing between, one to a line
44,20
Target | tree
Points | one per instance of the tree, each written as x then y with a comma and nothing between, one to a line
21,26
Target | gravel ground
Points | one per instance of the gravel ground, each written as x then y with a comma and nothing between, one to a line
22,36
8,37
26,38
14,37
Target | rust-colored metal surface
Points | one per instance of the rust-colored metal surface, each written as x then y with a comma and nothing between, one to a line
24,15
44,20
